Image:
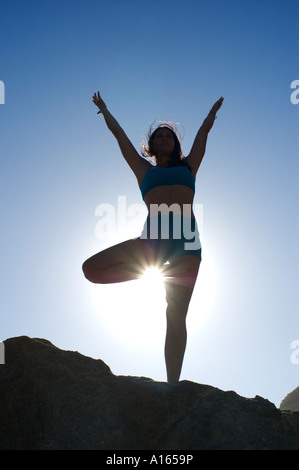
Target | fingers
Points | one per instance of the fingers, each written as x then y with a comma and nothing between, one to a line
96,97
218,104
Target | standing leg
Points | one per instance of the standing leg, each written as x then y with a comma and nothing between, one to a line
179,284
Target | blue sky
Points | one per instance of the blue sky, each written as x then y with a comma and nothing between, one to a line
152,60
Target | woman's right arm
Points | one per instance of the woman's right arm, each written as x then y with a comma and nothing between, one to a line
111,122
134,160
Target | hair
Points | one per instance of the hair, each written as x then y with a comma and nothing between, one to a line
177,158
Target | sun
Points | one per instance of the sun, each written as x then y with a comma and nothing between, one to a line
153,277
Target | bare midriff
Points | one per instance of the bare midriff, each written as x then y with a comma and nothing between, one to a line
177,199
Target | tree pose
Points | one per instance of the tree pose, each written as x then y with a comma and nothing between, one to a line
170,238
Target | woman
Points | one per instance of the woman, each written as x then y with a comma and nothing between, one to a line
170,238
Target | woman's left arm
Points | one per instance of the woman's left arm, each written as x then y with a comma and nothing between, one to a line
199,145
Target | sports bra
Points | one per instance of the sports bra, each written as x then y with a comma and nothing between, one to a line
166,176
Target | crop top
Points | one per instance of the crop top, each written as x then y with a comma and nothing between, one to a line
167,176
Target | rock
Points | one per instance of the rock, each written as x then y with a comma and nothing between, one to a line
291,401
55,399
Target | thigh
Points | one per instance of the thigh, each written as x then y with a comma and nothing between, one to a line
134,253
180,277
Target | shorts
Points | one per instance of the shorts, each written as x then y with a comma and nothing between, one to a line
171,236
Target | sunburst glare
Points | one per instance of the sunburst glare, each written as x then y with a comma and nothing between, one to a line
153,277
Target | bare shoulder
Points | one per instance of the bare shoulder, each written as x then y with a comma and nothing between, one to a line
198,149
141,169
192,164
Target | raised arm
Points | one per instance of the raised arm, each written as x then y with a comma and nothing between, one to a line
199,145
134,160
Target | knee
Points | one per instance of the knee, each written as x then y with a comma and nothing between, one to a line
85,269
177,308
176,319
89,272
177,299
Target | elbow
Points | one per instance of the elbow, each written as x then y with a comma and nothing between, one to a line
206,127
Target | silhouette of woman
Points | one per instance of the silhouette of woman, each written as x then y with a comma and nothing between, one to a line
170,238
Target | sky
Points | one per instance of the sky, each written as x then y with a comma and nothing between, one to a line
60,167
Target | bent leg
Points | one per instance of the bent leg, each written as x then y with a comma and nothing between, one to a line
123,262
179,285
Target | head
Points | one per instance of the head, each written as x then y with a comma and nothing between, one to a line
163,142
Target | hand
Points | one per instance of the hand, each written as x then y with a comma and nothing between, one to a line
217,105
99,102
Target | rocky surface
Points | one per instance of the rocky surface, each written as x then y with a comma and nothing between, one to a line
55,399
291,401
